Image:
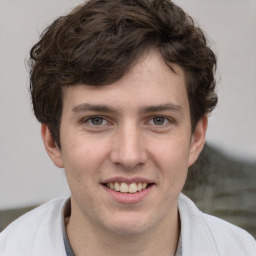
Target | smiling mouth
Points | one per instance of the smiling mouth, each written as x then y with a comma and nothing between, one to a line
127,188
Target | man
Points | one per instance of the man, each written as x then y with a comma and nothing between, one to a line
123,89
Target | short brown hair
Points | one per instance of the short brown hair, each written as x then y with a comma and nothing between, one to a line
100,40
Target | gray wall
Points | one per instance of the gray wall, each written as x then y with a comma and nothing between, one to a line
27,175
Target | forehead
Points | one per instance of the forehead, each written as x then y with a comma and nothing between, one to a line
149,82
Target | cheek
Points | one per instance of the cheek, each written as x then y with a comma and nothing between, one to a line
81,161
172,159
172,151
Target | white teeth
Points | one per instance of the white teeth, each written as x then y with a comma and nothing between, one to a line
116,186
133,188
139,187
125,188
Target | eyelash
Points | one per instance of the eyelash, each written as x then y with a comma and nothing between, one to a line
162,118
89,120
151,120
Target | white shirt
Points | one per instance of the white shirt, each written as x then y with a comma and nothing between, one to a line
39,233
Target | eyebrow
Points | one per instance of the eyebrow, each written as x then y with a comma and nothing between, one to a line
91,107
161,107
103,108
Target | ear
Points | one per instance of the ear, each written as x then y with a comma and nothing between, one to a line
198,140
51,147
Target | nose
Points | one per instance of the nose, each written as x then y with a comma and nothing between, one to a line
127,148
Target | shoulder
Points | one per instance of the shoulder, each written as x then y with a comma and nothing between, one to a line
216,236
225,233
35,227
33,219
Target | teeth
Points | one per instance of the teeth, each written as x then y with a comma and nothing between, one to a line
116,186
133,188
125,188
139,187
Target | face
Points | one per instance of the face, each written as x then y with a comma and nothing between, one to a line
126,147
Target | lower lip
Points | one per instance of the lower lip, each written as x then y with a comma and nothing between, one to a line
129,198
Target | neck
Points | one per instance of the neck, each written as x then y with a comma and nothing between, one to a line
88,240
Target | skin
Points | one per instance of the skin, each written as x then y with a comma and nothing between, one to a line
143,132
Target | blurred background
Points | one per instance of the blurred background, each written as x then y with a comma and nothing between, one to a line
223,182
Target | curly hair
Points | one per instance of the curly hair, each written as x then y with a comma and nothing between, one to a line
98,42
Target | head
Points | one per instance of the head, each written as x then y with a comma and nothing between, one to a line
122,89
101,40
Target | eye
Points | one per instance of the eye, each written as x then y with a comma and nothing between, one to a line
159,120
97,121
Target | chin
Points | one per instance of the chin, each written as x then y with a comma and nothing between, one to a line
129,225
129,229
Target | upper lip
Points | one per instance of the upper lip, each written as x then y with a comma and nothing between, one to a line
127,180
